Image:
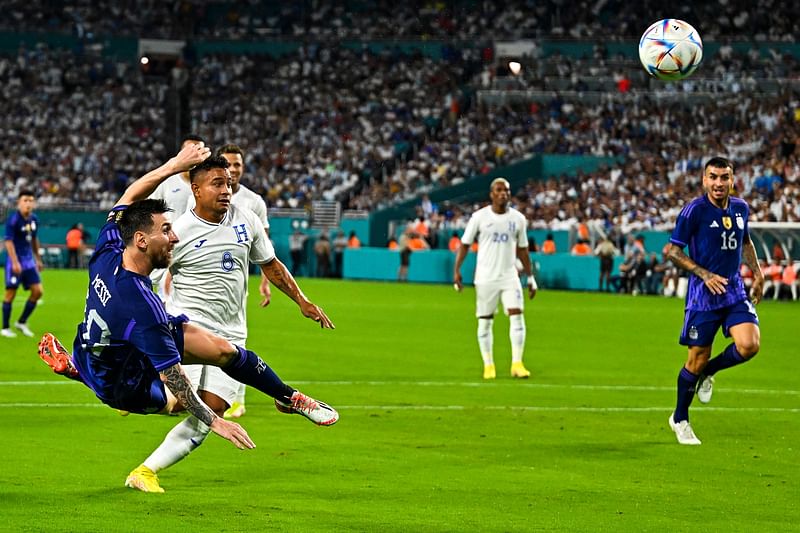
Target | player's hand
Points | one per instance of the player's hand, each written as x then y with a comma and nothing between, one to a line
191,155
16,267
531,292
39,264
233,432
315,313
716,283
265,291
458,283
757,289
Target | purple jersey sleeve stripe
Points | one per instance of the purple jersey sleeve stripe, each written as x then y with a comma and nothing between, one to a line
673,240
167,364
156,301
687,211
127,335
152,301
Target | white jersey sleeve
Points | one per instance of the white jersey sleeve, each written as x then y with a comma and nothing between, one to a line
472,228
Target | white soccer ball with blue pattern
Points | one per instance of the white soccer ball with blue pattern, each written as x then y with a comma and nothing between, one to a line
670,49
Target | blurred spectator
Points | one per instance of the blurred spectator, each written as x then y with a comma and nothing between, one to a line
789,281
549,245
322,250
581,248
455,242
773,275
412,243
353,241
75,245
340,242
297,243
606,252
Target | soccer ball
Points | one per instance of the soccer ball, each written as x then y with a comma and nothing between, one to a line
670,49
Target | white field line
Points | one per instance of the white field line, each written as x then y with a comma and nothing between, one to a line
516,383
527,408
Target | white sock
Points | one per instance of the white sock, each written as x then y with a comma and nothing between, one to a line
240,394
486,340
179,442
516,332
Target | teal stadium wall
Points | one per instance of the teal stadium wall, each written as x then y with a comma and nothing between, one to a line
559,271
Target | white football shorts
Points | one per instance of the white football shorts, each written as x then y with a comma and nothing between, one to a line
212,379
487,296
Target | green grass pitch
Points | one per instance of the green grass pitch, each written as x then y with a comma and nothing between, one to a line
423,443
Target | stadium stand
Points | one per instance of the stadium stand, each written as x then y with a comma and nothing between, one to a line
372,127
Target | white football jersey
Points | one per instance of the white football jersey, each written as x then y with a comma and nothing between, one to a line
246,198
178,195
499,236
210,267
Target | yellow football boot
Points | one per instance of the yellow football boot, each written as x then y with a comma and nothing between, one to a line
143,479
518,370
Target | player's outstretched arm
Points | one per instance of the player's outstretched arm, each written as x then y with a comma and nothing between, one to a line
751,260
714,282
189,156
181,387
279,275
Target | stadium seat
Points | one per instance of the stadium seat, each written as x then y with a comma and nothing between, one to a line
53,257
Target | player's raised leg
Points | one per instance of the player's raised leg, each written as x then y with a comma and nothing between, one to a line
203,347
746,343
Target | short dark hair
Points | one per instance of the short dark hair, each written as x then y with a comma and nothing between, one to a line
26,192
231,149
193,137
216,161
718,162
139,217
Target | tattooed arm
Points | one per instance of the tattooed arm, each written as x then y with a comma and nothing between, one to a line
277,273
714,282
751,260
181,387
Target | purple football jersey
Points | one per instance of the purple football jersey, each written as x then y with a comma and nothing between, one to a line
714,237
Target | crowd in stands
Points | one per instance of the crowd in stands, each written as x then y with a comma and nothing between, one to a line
373,129
327,118
382,19
75,128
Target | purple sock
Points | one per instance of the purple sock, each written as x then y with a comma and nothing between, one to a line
29,307
6,314
251,370
729,357
686,385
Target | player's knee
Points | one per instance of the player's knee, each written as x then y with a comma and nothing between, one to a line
226,351
748,348
36,293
